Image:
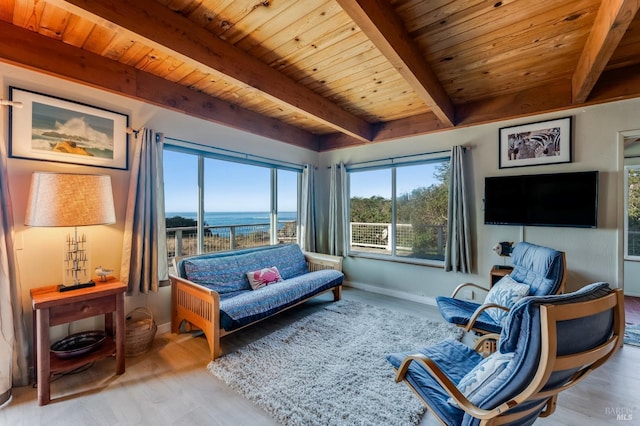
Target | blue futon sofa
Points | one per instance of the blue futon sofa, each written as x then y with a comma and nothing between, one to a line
212,291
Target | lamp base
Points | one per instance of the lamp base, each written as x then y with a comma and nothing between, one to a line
62,287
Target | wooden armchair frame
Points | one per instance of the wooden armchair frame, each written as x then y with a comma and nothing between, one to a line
199,306
585,362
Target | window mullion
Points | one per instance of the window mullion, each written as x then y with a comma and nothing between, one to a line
273,215
393,212
200,213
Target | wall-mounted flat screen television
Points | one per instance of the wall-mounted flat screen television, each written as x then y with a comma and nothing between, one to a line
557,199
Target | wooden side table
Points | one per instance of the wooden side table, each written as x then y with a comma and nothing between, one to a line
51,307
497,272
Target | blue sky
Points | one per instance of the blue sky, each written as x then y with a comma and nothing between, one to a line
378,182
229,186
235,187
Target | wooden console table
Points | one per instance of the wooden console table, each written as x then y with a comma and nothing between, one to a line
51,307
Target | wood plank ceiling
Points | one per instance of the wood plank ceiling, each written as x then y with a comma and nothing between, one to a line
326,74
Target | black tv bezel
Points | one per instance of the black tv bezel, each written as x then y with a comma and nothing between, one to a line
528,222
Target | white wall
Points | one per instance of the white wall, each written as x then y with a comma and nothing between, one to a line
39,250
592,254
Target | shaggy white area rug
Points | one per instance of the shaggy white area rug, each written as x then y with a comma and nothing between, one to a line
329,368
632,334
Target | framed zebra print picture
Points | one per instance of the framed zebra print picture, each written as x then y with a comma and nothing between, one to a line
544,142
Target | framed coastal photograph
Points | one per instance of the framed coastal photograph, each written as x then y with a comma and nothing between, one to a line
48,128
544,142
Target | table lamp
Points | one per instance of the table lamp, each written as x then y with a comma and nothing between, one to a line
63,199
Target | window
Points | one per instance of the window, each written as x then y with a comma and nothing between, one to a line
288,184
632,213
213,204
400,211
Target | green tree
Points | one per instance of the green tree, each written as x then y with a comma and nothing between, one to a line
184,222
179,221
633,206
426,209
375,209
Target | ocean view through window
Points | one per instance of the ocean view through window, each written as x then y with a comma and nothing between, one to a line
241,205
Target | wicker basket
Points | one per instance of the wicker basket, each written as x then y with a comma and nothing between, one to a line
140,331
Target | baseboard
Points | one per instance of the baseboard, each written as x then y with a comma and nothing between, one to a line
5,398
425,300
164,328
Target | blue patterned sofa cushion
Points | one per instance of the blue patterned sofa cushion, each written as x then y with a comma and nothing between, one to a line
242,308
226,272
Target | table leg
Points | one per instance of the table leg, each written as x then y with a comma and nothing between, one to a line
43,367
108,323
120,331
34,329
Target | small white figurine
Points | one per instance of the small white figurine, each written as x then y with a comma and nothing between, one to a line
103,273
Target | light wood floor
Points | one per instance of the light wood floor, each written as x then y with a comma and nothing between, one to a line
170,385
632,309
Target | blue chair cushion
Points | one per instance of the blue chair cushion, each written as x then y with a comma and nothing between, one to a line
541,268
481,380
458,311
521,340
455,359
522,337
505,292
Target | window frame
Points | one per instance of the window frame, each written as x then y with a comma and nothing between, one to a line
273,167
627,256
391,164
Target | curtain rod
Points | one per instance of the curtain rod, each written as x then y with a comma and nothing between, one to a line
238,154
392,159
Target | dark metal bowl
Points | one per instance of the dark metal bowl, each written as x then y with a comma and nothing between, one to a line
78,344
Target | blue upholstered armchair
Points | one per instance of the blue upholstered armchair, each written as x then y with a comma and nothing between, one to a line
542,270
550,343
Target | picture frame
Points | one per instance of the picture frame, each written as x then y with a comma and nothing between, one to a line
48,128
533,144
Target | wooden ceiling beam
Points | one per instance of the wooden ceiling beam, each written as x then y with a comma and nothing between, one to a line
615,85
382,25
160,27
33,51
611,23
395,129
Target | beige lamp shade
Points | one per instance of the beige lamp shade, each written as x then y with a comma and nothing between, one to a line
63,199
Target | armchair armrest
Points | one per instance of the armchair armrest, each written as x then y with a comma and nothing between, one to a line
479,311
319,261
465,285
448,386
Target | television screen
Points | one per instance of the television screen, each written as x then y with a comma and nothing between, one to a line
557,199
